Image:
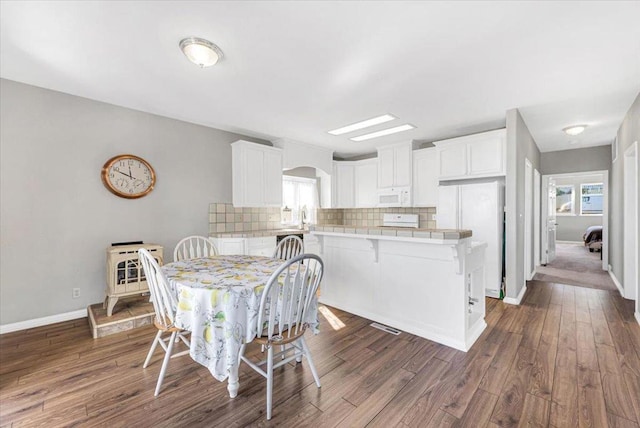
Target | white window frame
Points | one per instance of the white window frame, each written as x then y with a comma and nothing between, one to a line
594,194
573,200
295,210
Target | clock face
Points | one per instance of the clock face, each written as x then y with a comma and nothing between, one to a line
128,176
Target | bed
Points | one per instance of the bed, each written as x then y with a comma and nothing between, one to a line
593,238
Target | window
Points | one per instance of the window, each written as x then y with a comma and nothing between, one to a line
591,201
564,200
298,195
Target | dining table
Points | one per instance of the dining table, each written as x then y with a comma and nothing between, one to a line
218,300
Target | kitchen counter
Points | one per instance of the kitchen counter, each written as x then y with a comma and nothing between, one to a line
394,231
258,233
432,287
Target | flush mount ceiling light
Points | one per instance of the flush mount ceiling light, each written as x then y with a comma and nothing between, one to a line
200,51
575,129
388,131
364,124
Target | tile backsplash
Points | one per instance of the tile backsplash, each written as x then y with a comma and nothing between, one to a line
227,218
224,217
372,216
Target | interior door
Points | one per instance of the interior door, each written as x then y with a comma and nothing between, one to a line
549,211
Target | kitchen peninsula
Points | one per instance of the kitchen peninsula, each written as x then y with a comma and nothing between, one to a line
428,282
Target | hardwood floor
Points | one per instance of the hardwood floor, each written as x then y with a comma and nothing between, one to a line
568,356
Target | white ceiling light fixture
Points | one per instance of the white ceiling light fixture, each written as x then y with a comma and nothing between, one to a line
384,132
575,129
200,51
364,124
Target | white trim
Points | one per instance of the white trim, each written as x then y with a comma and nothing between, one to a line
616,282
38,322
637,314
570,242
517,300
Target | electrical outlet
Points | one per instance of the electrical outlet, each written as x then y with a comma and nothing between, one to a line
75,293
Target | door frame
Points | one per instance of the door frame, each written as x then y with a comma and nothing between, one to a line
537,183
605,207
529,266
631,246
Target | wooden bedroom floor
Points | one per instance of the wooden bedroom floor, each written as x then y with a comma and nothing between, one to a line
567,357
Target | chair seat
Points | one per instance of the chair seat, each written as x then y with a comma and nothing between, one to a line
281,339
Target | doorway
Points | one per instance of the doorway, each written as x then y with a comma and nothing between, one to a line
577,208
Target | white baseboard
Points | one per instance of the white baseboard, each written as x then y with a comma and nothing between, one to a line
38,322
517,300
637,314
570,242
616,282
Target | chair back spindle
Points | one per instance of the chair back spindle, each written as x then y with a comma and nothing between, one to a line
288,248
164,302
193,247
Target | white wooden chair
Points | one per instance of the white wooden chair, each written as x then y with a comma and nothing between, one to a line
288,248
164,303
292,288
193,247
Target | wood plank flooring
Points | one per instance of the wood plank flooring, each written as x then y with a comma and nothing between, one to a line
567,357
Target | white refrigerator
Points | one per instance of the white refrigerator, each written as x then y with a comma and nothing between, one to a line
479,207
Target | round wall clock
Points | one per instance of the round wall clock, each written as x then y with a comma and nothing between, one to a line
128,176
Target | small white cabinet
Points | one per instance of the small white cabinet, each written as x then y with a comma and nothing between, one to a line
355,183
472,156
227,246
255,246
366,179
394,165
261,246
256,175
425,177
343,185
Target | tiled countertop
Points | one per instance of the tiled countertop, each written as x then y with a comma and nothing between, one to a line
394,231
258,233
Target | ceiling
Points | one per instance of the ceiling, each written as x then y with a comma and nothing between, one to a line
296,70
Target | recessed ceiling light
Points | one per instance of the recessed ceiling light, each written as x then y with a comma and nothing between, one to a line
364,124
388,131
575,129
200,51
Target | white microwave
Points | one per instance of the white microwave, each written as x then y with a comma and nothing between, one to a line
394,197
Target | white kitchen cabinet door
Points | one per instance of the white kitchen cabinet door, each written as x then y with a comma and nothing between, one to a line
452,161
394,165
386,167
256,175
344,174
366,179
402,165
473,156
261,246
425,177
272,179
486,155
227,246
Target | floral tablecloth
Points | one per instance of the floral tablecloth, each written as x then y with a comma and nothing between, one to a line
218,301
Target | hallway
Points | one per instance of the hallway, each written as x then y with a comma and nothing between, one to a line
575,265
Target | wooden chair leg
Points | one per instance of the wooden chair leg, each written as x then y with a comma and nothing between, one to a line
152,350
165,363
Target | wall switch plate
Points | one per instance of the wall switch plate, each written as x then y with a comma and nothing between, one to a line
75,293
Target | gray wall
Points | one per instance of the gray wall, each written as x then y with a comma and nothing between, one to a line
576,160
572,227
628,132
57,218
520,145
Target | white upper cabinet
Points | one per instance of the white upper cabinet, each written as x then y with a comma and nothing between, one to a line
366,183
394,165
472,156
425,177
343,185
355,183
256,175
